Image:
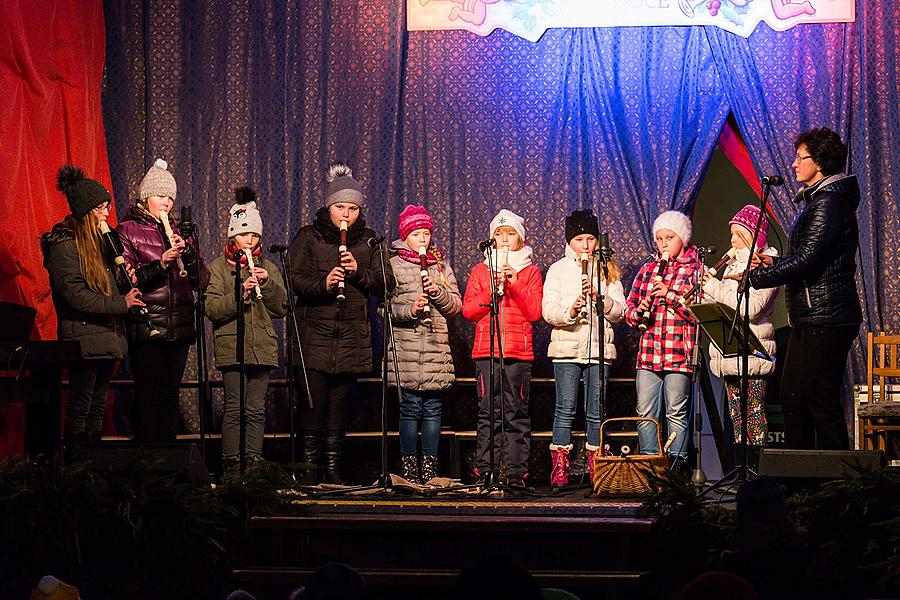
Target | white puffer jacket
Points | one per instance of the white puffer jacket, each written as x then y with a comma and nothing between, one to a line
762,305
569,338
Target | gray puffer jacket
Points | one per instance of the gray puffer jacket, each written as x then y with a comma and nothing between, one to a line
423,352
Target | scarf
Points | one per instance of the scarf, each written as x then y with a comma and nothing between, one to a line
517,259
332,235
231,248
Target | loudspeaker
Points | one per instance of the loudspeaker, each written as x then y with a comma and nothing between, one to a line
819,464
170,458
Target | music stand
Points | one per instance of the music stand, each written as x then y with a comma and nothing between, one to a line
715,319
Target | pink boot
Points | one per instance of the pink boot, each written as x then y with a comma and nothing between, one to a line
591,452
559,474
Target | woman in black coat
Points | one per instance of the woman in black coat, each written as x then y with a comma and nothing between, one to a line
819,271
89,308
335,334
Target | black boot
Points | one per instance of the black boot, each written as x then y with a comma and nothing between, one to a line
312,455
334,449
73,443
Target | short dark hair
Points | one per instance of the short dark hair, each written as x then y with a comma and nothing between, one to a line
826,149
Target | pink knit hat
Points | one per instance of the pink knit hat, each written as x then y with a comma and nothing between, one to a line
746,218
414,217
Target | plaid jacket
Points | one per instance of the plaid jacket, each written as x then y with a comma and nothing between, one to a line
669,339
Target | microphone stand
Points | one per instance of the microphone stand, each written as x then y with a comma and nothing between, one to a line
742,473
204,392
384,479
292,341
242,366
698,478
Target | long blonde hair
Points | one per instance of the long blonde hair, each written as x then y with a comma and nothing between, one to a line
87,242
614,273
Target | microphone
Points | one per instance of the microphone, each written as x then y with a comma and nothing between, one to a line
707,250
773,180
374,241
491,243
185,224
277,248
606,252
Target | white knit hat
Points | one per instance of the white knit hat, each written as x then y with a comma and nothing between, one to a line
506,218
158,181
245,217
675,221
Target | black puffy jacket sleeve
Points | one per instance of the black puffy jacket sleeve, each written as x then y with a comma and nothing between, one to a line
825,224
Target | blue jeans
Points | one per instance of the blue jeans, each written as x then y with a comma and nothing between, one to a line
663,389
424,406
568,376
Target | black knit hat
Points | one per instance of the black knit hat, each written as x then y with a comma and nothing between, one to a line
581,222
82,194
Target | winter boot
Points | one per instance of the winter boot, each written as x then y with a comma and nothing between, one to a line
429,468
312,455
73,444
334,450
591,455
559,473
409,468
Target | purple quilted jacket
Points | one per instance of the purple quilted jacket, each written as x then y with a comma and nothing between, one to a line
169,297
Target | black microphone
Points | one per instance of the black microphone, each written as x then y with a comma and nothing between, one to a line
491,243
374,241
185,225
277,248
707,249
606,252
774,180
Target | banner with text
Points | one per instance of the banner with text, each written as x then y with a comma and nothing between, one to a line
531,18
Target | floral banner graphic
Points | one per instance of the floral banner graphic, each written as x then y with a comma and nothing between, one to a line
531,18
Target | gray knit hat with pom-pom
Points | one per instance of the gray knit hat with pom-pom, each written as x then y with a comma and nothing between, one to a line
159,181
342,187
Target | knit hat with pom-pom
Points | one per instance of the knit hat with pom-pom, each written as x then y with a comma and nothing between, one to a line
82,193
412,218
342,187
245,217
51,588
158,181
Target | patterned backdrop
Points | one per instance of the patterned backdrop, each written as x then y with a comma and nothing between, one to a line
620,120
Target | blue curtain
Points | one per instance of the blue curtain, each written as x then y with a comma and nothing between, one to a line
620,120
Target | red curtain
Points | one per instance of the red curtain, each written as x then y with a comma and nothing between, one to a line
51,66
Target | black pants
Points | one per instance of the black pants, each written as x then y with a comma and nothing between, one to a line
512,422
328,414
88,384
814,370
158,368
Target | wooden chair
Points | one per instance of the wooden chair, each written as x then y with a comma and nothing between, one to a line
881,413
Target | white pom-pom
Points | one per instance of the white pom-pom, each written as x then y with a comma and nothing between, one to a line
161,164
336,170
48,585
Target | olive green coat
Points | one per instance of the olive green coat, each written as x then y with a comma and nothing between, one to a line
260,342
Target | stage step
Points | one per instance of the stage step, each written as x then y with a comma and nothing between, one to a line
414,544
443,577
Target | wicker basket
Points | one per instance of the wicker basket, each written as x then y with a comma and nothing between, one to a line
628,475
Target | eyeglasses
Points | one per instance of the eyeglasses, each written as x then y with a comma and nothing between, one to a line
798,158
102,207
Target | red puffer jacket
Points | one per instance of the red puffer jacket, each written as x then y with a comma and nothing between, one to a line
519,307
169,297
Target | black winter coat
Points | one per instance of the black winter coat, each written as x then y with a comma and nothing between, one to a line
94,320
819,268
336,339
